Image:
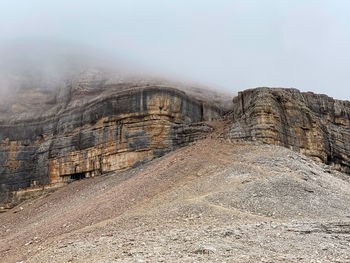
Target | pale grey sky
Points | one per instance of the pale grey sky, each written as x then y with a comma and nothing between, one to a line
227,44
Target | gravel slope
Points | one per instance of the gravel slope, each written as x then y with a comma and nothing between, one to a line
211,201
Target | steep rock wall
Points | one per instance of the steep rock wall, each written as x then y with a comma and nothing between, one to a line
111,133
315,125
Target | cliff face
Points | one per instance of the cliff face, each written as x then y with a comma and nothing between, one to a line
315,125
90,130
78,137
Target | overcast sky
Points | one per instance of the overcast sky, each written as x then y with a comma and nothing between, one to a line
228,44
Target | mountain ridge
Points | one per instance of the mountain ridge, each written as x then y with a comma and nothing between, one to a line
103,129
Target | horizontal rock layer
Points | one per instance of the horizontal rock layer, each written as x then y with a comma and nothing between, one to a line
112,133
315,125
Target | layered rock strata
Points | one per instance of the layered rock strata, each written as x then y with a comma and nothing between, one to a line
315,125
93,137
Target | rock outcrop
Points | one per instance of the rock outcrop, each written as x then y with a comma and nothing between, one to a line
315,125
88,132
92,128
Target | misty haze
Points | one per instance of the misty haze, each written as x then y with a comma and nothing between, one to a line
231,45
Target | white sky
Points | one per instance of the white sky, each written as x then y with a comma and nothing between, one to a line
227,44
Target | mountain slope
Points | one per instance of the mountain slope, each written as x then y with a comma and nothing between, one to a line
211,201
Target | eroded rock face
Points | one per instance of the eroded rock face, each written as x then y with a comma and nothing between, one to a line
78,137
315,125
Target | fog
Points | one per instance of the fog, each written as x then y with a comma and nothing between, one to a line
49,65
231,45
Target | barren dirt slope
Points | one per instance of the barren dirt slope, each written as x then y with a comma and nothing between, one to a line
211,201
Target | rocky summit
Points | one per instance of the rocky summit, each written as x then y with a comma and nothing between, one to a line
154,172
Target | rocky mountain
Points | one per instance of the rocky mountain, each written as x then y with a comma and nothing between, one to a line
93,126
210,201
315,125
173,173
97,124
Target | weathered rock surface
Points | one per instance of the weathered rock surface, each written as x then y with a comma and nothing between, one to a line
211,201
94,127
88,130
315,125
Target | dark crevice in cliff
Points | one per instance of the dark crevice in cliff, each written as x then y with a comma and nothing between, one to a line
202,112
242,104
284,136
77,176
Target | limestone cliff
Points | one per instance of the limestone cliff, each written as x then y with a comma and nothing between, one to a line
87,132
93,128
315,125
